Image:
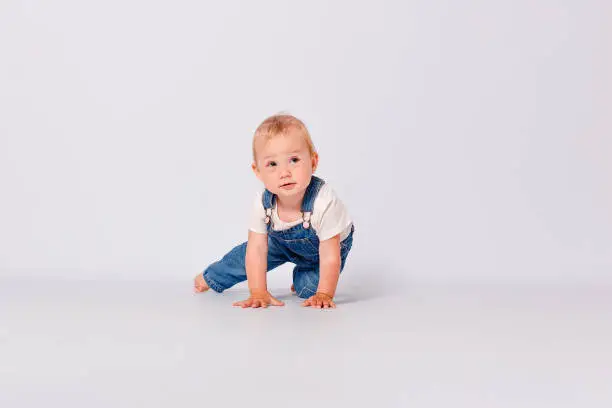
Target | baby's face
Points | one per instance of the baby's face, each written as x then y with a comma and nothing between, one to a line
284,164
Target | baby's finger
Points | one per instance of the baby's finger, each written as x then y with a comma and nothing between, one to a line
275,302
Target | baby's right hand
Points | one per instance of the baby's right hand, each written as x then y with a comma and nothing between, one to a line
259,299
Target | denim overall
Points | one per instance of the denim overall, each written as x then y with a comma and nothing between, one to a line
298,245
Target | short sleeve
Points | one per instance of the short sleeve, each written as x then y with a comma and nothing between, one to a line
334,218
258,214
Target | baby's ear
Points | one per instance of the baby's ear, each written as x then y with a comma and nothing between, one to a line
255,170
315,161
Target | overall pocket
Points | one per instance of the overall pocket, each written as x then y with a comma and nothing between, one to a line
304,249
302,245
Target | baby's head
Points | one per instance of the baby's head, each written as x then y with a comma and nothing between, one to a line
284,156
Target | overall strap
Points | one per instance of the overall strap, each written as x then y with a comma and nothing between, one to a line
268,200
309,198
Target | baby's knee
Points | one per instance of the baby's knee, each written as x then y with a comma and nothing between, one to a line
305,288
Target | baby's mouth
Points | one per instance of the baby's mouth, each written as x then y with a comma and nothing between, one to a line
287,185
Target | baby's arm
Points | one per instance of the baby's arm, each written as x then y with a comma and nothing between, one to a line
257,261
256,267
329,273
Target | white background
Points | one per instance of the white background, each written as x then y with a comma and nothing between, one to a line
470,140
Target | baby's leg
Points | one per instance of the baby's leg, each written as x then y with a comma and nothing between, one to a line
306,276
305,280
231,269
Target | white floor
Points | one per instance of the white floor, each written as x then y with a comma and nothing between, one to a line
148,344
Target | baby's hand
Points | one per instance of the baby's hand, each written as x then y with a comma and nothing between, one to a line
320,300
259,299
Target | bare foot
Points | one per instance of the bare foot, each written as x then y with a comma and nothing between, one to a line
199,284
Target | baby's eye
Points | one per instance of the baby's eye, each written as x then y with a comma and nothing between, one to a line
271,164
295,159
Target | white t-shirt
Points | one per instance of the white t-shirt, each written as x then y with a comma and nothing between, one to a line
329,216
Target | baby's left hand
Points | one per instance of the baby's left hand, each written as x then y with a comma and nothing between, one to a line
320,300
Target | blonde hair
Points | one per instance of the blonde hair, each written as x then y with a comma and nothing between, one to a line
280,125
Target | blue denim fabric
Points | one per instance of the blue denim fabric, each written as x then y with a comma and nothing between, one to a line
298,245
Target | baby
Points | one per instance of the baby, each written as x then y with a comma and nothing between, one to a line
297,218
